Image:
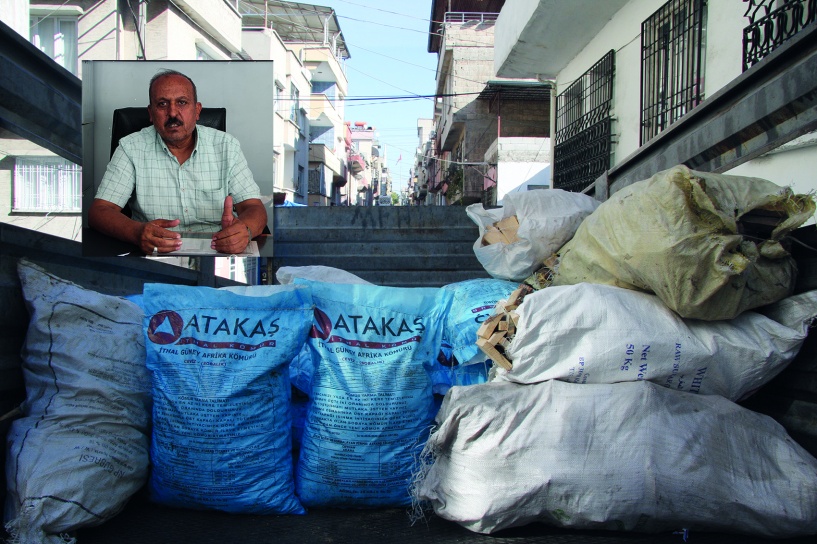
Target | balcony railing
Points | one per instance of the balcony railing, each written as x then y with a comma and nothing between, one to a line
469,16
771,23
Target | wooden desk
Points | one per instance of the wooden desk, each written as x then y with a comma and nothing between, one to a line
96,244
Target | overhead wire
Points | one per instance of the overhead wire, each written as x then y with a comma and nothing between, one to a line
289,21
426,32
348,66
38,18
383,10
389,100
385,100
372,8
389,84
318,12
412,64
317,97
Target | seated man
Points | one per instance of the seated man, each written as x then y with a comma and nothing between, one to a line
185,177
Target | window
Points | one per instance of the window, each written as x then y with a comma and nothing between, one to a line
280,106
47,184
295,107
233,267
302,125
316,181
671,64
303,188
583,141
56,36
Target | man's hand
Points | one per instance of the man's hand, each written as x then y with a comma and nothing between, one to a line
234,234
155,235
107,218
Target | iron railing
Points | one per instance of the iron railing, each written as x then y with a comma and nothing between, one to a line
583,140
671,64
469,16
771,23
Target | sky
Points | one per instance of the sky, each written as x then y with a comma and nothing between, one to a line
388,43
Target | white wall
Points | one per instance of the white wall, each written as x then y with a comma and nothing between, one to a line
172,36
723,42
513,17
15,14
267,45
790,166
218,17
512,175
101,35
623,34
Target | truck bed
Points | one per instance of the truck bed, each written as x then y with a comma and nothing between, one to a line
143,522
791,399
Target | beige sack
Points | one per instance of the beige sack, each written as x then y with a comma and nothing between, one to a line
678,235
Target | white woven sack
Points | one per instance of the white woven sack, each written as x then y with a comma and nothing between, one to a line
628,456
287,274
588,333
81,450
548,218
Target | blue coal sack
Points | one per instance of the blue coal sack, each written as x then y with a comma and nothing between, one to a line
371,403
221,419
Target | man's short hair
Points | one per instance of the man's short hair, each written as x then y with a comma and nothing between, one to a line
168,72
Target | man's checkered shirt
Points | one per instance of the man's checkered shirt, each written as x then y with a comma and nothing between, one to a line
193,192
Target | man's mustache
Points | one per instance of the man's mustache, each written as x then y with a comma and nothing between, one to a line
173,120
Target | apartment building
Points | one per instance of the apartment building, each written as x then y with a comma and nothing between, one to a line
371,182
328,147
492,133
420,178
722,86
464,45
364,187
290,145
312,37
